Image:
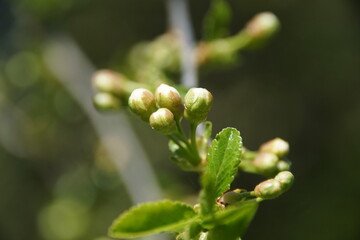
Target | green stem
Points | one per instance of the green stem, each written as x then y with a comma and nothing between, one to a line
195,160
180,129
193,141
182,145
181,135
177,142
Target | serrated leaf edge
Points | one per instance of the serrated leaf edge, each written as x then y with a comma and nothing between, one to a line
241,144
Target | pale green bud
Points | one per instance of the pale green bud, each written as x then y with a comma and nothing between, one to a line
197,102
262,26
163,121
283,166
286,179
108,81
106,102
231,197
142,103
266,163
168,97
275,146
268,189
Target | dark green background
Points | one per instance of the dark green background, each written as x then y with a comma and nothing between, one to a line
303,87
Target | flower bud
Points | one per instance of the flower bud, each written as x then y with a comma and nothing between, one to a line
262,26
231,197
283,166
197,102
275,146
268,189
163,121
266,163
286,179
108,81
168,97
142,103
106,102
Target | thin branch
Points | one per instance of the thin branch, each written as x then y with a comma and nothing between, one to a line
179,20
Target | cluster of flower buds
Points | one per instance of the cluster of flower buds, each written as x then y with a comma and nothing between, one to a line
163,109
113,88
161,53
110,87
268,160
274,187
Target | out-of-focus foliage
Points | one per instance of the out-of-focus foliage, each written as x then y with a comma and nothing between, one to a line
217,20
51,9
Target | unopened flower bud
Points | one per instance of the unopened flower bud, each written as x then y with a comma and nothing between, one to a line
142,103
231,197
163,121
268,189
283,166
263,25
275,146
106,102
197,102
168,97
266,163
108,81
286,179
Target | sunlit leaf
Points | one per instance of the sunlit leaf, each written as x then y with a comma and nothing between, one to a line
222,164
231,223
151,218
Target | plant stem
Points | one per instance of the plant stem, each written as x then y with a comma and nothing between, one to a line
177,142
180,129
191,147
181,134
193,141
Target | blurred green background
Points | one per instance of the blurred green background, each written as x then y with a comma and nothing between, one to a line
56,182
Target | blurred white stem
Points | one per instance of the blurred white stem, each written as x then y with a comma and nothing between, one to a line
72,68
179,20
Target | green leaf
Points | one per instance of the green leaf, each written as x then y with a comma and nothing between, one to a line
231,223
217,20
151,218
222,164
192,232
207,130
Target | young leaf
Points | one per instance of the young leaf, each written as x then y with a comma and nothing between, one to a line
217,20
207,130
222,163
151,218
233,222
192,232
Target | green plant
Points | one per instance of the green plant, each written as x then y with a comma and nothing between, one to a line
221,213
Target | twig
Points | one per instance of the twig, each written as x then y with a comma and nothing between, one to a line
179,20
